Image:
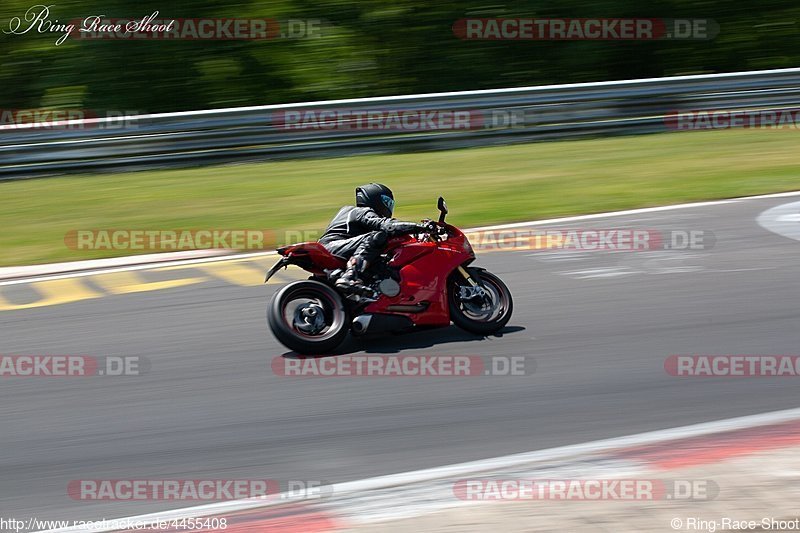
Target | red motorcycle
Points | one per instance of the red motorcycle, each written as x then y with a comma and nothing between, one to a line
419,281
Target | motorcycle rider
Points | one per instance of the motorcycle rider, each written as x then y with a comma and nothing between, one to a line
359,233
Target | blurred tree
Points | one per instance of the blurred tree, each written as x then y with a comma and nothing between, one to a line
366,48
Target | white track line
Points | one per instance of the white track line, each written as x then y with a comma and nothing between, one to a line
484,465
635,211
148,266
607,215
482,228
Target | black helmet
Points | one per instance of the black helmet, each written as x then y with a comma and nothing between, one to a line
377,197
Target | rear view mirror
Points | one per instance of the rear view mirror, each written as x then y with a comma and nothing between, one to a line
442,205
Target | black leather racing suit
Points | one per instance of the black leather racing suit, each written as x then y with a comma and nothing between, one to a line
360,233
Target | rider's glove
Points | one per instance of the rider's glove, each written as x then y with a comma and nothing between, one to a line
429,225
399,228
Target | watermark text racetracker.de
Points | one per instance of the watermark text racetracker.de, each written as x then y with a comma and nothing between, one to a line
195,489
204,29
168,240
714,119
413,366
116,524
22,366
584,29
732,365
398,119
515,489
592,239
66,119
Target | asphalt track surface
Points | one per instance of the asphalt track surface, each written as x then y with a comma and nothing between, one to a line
599,326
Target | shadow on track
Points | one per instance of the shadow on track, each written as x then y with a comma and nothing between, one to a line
423,338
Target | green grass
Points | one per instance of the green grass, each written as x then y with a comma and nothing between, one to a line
482,185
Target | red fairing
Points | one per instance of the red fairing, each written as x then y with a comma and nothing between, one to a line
312,256
424,269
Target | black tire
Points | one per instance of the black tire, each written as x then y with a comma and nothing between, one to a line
320,297
465,315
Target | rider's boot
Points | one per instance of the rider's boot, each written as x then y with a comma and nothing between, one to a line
350,281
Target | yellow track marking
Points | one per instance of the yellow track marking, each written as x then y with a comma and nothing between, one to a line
241,272
235,273
54,292
248,275
128,282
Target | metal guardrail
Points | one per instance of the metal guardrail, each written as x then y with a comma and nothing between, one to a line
508,116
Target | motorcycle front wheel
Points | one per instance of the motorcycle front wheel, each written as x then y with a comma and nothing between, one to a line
484,308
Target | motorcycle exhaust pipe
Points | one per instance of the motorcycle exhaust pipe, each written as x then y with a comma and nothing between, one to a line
380,323
361,324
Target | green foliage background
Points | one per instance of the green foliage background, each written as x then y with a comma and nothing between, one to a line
366,48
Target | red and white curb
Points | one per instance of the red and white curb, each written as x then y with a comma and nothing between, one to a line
420,492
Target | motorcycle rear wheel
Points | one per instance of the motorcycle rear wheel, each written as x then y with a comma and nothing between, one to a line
308,317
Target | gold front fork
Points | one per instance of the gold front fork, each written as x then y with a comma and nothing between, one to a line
467,276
